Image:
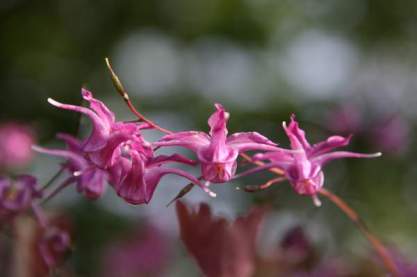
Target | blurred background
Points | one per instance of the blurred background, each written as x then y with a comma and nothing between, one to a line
344,67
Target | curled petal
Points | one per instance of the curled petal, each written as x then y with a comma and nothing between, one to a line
72,142
328,145
101,130
296,135
192,140
98,107
250,141
217,121
77,162
323,159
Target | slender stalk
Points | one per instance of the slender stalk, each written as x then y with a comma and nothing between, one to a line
53,179
57,190
378,246
264,185
259,163
122,91
39,215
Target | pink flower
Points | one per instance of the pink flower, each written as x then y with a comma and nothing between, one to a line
221,249
15,145
17,195
216,151
115,152
135,178
303,167
90,179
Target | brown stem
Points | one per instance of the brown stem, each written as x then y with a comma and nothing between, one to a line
378,246
259,163
264,185
122,91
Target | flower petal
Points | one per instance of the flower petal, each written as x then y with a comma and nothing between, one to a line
296,135
323,159
192,140
98,107
328,145
101,130
247,141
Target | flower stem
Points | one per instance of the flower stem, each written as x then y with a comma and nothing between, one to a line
57,190
39,215
378,246
122,91
52,180
259,163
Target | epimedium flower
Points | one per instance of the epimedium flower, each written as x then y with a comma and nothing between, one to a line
115,152
17,195
303,167
90,179
135,178
217,152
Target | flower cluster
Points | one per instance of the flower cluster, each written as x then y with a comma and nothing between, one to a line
116,152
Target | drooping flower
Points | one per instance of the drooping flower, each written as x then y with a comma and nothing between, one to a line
216,151
221,249
15,145
303,167
17,195
90,179
135,179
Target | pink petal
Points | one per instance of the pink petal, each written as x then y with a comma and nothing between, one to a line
296,135
97,106
162,159
323,159
328,145
101,130
192,140
75,159
250,141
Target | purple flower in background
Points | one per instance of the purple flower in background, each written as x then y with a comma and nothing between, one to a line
53,245
303,167
145,253
90,179
216,151
17,195
15,145
345,119
392,134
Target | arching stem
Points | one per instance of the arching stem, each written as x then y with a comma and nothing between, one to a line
122,91
378,246
265,185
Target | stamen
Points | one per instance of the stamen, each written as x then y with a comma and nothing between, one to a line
316,201
77,173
